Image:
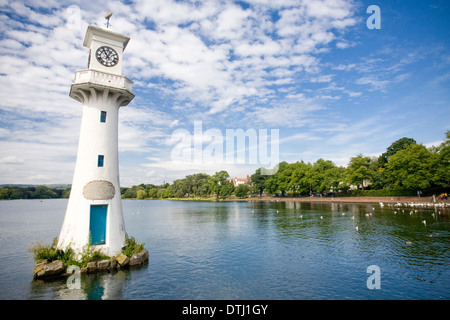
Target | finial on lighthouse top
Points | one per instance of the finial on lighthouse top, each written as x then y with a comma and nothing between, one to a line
108,15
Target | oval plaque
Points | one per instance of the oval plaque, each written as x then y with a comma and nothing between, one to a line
99,190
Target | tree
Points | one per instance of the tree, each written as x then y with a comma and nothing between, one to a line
442,167
141,194
219,185
4,193
130,193
275,182
226,189
167,193
359,170
283,177
179,188
66,193
197,184
298,182
395,147
378,180
153,193
241,191
413,167
324,176
258,181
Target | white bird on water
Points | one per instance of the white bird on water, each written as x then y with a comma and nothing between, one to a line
424,222
356,228
321,217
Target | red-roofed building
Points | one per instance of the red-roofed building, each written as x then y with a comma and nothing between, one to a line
239,181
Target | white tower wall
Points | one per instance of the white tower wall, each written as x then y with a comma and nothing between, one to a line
94,184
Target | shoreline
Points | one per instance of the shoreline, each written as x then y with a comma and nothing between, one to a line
350,199
398,199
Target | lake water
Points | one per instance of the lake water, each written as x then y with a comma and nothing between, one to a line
244,250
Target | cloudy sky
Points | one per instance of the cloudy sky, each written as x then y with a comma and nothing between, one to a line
311,70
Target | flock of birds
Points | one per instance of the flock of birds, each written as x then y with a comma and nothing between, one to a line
403,208
435,205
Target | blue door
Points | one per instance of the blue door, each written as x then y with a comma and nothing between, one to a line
97,224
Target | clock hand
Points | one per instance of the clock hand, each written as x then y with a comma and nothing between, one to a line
106,53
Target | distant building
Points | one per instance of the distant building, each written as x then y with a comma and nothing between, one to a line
364,184
238,181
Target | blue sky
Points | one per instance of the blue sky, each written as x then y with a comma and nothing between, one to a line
310,69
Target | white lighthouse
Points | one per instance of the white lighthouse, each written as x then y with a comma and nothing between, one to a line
94,211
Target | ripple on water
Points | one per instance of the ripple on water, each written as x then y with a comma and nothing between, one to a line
252,251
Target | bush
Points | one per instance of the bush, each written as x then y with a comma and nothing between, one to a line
131,246
241,191
396,192
90,254
51,252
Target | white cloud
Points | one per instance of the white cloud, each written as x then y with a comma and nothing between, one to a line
219,53
210,60
290,115
322,78
374,83
11,160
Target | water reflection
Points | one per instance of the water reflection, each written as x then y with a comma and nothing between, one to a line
98,286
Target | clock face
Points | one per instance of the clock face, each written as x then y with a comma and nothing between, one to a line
107,56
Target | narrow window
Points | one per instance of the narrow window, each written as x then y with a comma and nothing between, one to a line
100,160
103,116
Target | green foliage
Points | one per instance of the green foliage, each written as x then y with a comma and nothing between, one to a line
144,191
195,185
141,194
132,247
241,191
153,193
258,181
396,146
51,253
301,178
359,169
405,167
395,192
442,170
412,167
39,192
219,185
66,193
89,254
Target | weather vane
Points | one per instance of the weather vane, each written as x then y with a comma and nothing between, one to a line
108,16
